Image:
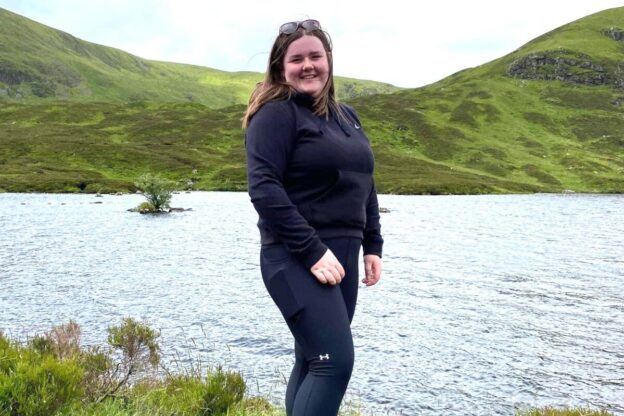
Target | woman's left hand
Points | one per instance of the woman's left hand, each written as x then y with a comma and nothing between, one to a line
372,269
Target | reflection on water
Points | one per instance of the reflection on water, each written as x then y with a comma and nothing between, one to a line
487,303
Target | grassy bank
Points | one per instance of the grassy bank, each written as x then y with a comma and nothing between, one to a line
52,374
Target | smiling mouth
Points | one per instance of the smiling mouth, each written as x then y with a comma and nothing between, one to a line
308,77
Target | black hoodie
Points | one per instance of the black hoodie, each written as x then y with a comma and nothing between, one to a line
311,178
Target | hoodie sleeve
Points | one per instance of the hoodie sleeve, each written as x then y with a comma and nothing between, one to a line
373,242
269,141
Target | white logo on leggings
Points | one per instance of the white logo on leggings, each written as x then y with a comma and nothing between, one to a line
324,357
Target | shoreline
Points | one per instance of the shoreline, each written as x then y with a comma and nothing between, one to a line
566,192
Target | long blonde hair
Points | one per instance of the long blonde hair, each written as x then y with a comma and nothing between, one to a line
275,87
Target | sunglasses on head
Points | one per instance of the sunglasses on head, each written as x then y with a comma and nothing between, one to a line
291,27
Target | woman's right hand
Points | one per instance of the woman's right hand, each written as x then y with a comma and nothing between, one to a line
328,269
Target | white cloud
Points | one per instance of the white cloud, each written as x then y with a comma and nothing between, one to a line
405,43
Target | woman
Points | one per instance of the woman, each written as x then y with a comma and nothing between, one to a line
310,176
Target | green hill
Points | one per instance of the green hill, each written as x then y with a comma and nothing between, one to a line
548,117
39,63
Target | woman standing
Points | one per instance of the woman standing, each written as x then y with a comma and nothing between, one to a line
310,177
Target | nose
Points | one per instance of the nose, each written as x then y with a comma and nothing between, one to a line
307,64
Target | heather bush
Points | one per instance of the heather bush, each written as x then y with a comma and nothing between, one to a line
35,383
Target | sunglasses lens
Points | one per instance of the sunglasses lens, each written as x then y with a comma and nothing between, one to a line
310,24
288,28
291,27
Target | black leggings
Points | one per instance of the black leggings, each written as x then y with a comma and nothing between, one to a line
319,317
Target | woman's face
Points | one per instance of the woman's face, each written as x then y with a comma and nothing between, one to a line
305,65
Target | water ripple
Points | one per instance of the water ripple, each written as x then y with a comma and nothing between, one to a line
487,303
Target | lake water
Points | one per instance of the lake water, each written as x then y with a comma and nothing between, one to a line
486,304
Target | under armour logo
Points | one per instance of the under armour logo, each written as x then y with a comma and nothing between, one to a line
324,357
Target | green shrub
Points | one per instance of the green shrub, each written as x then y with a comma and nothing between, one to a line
107,408
42,345
8,354
145,207
215,395
35,384
53,375
137,342
98,372
179,394
137,347
224,389
62,341
257,405
156,190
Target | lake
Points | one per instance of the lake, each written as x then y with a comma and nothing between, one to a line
486,304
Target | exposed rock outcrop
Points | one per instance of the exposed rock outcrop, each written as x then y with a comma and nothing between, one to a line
11,75
618,101
615,33
563,65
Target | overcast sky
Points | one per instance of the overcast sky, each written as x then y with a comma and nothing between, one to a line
406,43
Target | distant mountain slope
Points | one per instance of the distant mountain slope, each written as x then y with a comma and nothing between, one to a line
548,117
38,62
